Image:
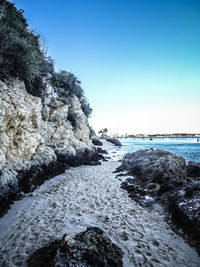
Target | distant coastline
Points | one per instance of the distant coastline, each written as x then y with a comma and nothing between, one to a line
158,135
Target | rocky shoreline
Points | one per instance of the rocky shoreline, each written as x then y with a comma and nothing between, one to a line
162,177
29,180
70,209
82,197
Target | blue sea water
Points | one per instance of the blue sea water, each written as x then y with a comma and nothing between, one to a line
189,148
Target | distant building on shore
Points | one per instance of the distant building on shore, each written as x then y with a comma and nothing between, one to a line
157,135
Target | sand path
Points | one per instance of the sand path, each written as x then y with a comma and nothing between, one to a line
90,196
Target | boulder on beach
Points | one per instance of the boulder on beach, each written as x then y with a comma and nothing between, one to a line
154,165
97,142
89,248
114,141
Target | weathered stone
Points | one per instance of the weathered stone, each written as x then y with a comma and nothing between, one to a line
56,129
20,117
154,165
24,134
90,248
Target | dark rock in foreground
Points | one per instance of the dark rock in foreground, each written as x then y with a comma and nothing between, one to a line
97,142
89,248
114,141
162,176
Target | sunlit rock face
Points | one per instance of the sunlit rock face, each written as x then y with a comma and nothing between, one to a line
31,129
20,123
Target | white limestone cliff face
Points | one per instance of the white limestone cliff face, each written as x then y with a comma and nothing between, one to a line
20,122
58,130
32,129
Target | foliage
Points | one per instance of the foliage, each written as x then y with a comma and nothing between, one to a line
72,117
103,131
85,106
22,56
67,84
92,132
37,85
67,81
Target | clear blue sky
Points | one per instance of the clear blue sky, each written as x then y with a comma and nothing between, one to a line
138,60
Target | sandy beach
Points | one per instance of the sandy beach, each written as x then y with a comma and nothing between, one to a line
91,196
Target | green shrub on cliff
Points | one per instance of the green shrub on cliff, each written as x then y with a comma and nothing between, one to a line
92,132
23,57
85,106
72,117
67,83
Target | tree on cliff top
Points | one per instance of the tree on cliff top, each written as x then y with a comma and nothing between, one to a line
103,131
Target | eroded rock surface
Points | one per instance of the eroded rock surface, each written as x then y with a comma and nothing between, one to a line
89,248
20,123
65,125
154,165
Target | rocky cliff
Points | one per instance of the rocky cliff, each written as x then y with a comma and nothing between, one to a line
36,131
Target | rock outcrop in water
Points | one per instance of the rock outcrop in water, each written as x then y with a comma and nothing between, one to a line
154,165
90,248
162,176
39,138
114,141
